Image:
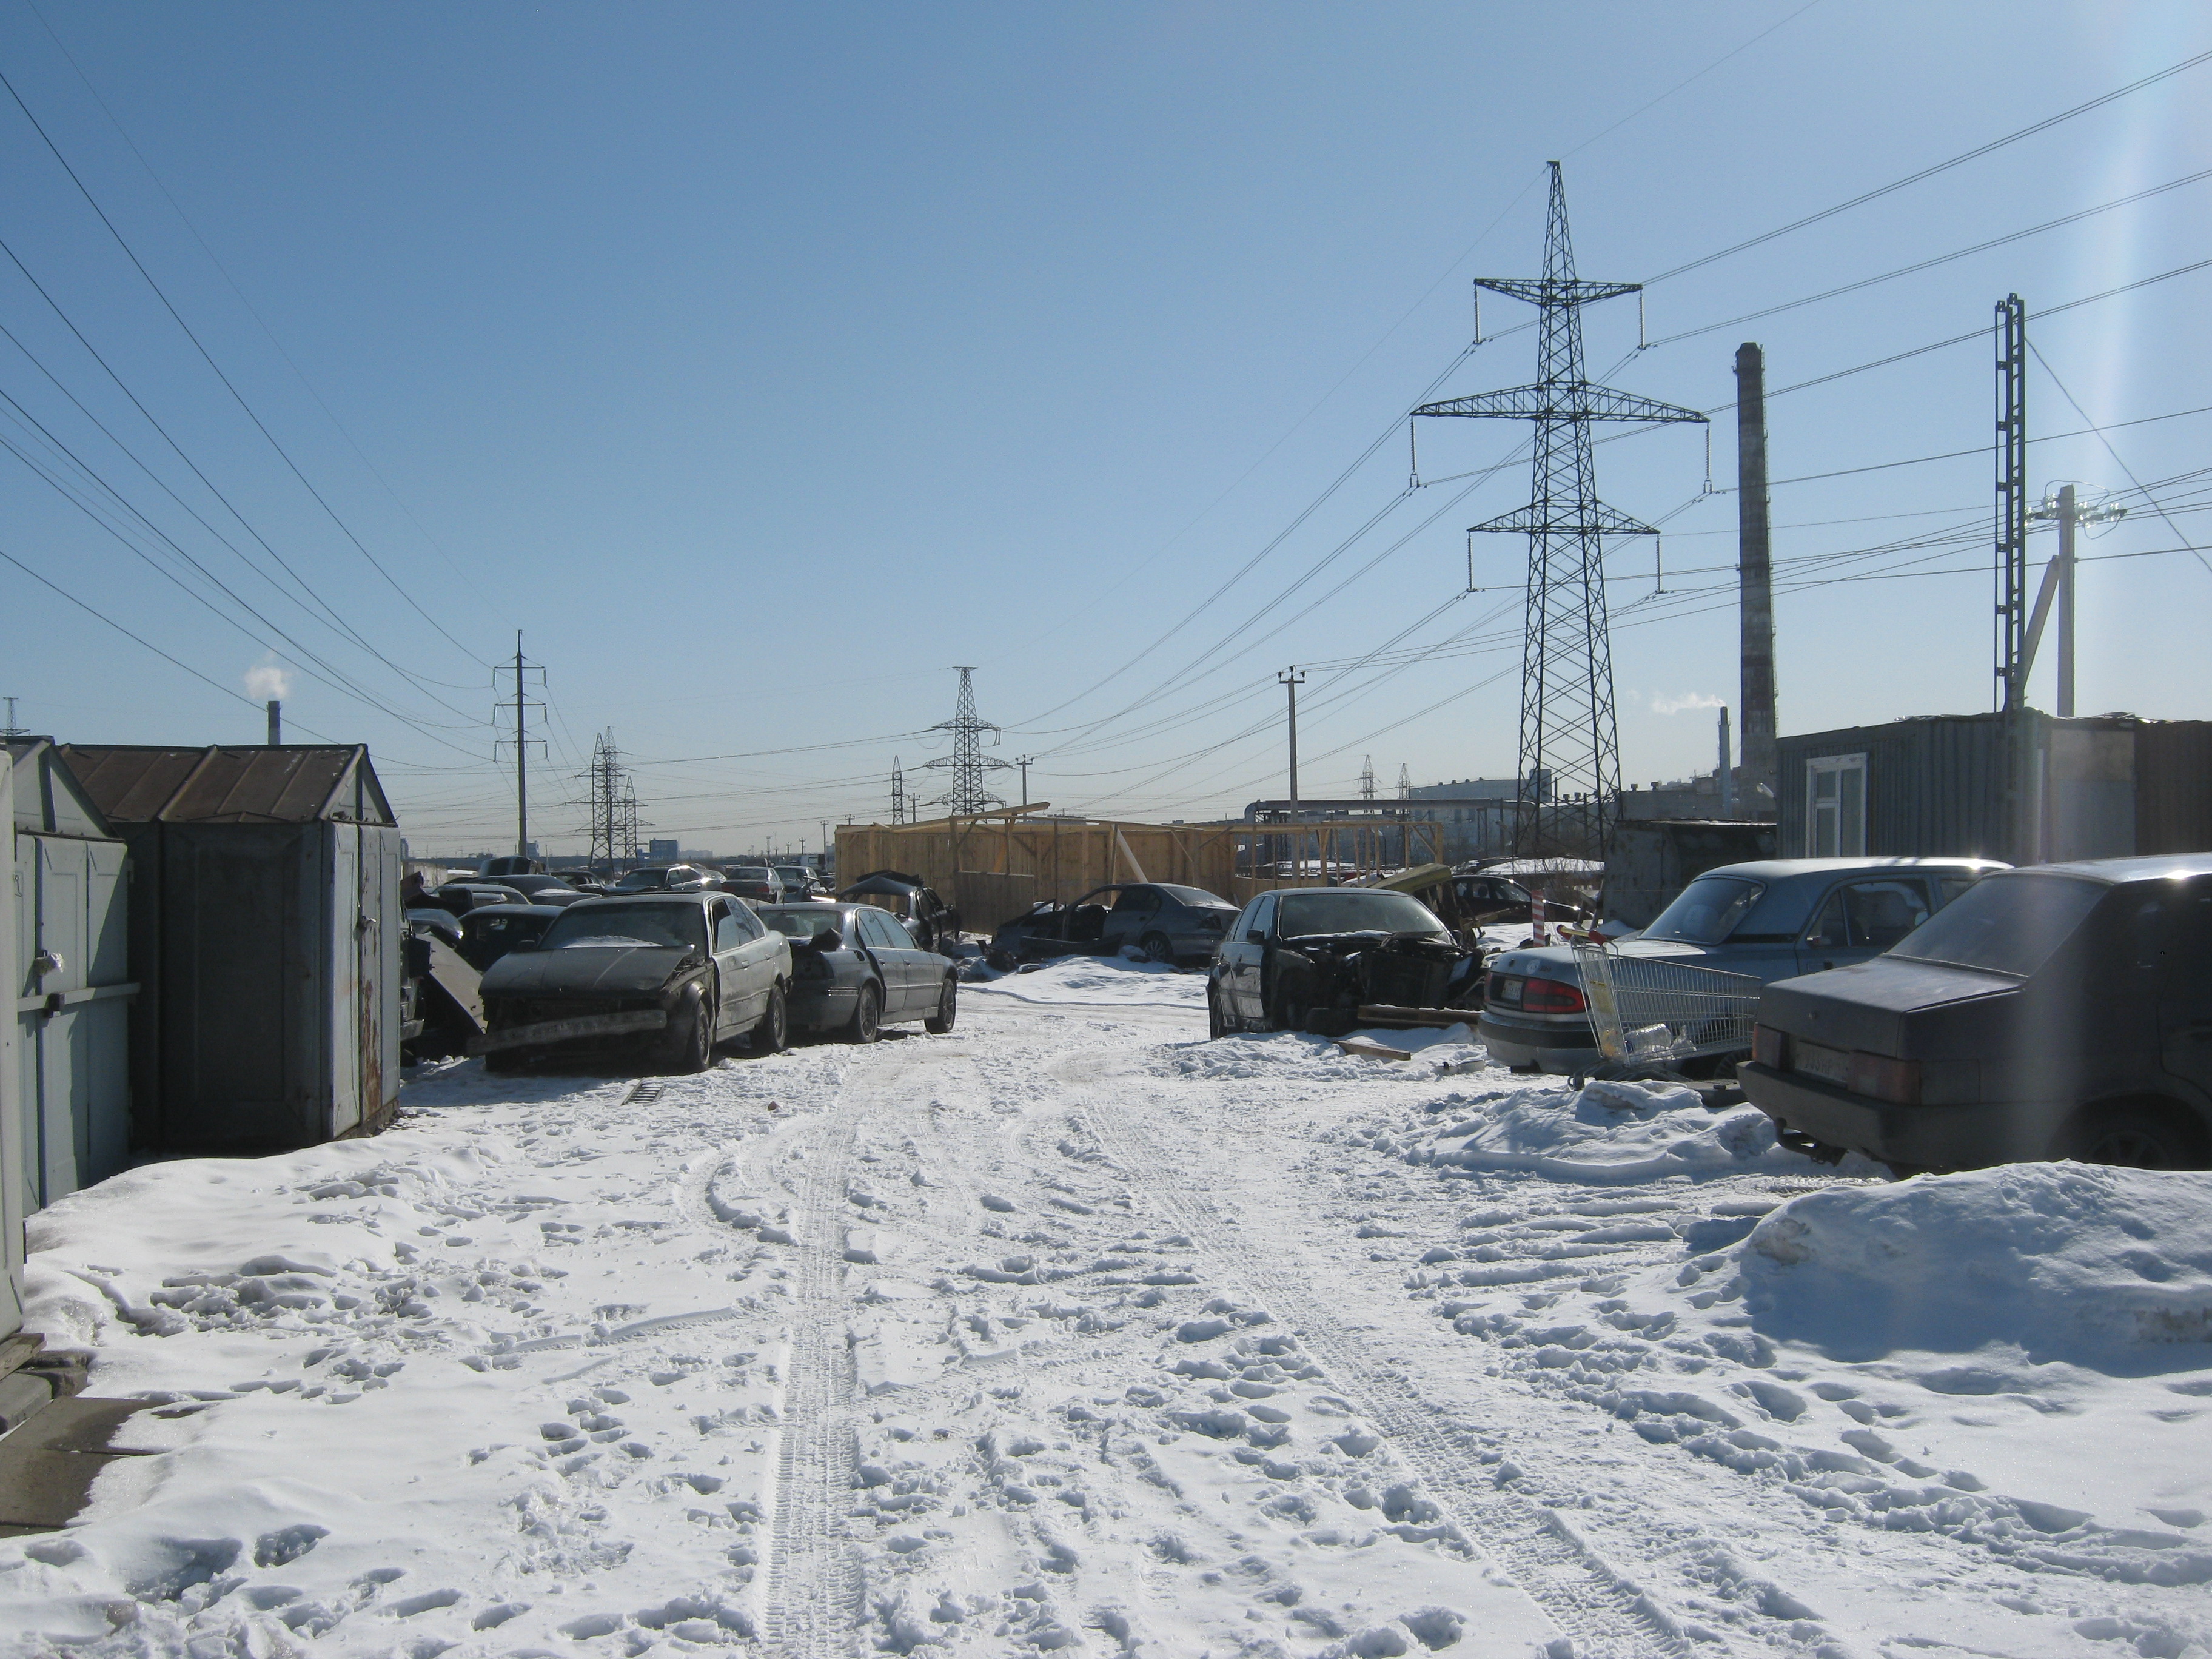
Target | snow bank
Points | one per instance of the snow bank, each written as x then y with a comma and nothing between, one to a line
2110,1269
1114,980
1615,1131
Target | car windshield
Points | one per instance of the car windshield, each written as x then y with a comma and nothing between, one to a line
1707,910
795,877
1192,895
637,879
1350,911
681,926
809,923
2007,923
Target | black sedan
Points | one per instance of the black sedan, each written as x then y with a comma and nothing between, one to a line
663,976
854,968
2059,1011
1167,923
1309,958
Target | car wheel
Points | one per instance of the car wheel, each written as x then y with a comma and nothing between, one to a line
868,1022
2133,1137
948,1009
772,1036
1217,1025
689,1045
1156,948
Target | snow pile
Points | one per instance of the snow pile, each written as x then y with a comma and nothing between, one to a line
1613,1132
2106,1268
1099,979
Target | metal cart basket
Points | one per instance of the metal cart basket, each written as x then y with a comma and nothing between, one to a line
1651,1015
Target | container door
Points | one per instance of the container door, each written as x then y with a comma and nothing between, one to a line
64,1083
341,1009
376,975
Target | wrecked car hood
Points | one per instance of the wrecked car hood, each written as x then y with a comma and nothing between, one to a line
586,970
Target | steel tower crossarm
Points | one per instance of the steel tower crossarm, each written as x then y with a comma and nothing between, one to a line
1557,290
1572,400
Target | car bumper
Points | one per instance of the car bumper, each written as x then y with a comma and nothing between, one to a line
1563,1049
1934,1137
579,1027
823,1008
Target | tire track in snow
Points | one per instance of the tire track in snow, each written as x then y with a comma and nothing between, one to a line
1605,1616
814,1587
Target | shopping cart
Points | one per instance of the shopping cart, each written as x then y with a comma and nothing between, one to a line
1652,1015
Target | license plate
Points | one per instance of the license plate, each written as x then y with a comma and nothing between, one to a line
1816,1060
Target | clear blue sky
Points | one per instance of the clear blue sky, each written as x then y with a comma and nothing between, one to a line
762,362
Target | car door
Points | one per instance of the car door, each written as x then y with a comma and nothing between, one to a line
2185,989
1242,954
1862,917
893,948
727,932
1134,911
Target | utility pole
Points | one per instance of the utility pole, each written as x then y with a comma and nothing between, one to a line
522,669
1025,762
1569,746
1291,680
2066,511
2011,501
1754,579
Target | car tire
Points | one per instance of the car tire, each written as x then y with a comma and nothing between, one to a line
1217,1022
1156,948
689,1045
868,1022
948,1009
771,1034
2133,1137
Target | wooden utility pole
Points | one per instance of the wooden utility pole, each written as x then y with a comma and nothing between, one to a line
1292,680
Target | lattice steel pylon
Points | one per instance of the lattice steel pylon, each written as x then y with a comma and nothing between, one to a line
1367,779
1570,761
613,802
966,762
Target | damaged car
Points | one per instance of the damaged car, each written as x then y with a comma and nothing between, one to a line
1308,959
1166,922
657,978
934,923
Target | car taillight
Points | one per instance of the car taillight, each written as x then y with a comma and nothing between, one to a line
1551,996
1768,1046
1882,1078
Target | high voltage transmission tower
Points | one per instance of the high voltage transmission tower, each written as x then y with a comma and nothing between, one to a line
899,802
1367,779
1405,782
613,800
966,762
1569,764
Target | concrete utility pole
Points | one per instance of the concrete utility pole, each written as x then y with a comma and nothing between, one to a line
1754,576
1291,680
2059,581
520,669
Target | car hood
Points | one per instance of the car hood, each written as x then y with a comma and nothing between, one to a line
586,970
1866,1005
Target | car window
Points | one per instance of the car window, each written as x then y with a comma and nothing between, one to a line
1189,895
804,924
2010,924
1948,888
1136,901
1707,910
683,927
729,929
1829,932
1878,914
878,929
1259,918
1347,910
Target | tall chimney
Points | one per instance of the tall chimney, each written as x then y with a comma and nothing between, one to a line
275,723
1722,780
1755,578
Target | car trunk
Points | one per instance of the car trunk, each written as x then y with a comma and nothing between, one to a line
1891,1006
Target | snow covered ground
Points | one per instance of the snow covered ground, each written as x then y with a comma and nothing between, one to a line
1073,1332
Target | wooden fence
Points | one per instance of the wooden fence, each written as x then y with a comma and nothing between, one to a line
997,867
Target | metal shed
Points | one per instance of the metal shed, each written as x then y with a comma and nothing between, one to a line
266,929
72,982
2028,788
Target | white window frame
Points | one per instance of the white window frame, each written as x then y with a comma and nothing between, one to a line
1850,830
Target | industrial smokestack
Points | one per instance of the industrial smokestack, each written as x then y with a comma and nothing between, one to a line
1755,574
275,723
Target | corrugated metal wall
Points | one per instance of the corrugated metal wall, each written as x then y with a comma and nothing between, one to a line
1935,787
2173,787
